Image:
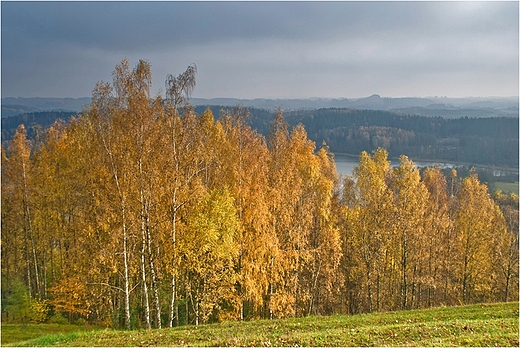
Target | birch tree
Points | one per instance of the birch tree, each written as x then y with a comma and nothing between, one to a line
20,225
474,227
506,255
105,114
210,253
374,220
410,202
437,233
246,172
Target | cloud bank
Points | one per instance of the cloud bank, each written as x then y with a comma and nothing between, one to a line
266,49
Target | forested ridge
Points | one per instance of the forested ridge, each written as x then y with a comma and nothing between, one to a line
34,122
141,212
491,141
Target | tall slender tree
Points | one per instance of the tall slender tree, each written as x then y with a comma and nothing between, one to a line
18,180
410,200
475,227
437,225
374,219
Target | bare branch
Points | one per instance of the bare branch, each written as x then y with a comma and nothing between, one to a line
108,285
179,89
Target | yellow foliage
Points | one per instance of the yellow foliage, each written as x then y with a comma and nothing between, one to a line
70,296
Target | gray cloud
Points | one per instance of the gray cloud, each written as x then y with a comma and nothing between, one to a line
266,49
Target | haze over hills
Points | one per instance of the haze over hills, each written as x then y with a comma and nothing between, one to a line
17,105
431,106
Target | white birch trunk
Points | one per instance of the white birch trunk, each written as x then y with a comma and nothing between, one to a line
143,272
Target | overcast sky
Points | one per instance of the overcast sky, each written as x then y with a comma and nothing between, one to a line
266,49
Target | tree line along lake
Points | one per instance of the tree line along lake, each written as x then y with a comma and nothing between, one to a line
345,165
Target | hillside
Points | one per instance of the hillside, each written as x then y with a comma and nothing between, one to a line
432,106
486,141
476,325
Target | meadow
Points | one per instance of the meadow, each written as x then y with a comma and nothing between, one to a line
475,325
506,187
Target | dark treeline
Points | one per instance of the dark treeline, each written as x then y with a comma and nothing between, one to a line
34,122
489,141
143,213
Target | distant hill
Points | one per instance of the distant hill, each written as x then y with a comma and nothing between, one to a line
16,106
432,106
436,110
12,110
374,102
474,130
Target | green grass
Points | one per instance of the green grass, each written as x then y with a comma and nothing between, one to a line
506,187
15,333
476,325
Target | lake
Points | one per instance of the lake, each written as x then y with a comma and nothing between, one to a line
345,165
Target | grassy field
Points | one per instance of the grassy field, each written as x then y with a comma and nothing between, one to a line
476,325
506,187
16,333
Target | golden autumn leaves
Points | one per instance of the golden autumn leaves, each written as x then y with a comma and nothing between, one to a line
416,242
158,218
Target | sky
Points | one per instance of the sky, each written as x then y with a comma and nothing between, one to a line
272,50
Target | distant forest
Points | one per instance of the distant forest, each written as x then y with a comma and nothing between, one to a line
486,141
490,141
33,121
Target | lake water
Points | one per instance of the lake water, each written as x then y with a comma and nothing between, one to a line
345,165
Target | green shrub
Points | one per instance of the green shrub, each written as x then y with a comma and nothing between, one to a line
58,319
17,303
81,322
38,311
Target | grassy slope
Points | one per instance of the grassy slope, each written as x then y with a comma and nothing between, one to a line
13,333
476,325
